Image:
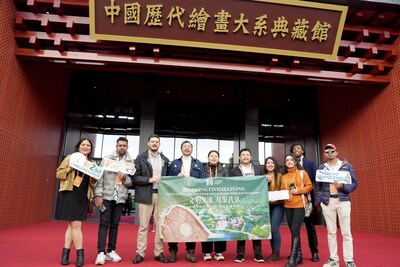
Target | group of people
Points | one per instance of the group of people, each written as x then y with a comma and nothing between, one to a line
111,192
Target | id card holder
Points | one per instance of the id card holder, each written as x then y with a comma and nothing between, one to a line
77,181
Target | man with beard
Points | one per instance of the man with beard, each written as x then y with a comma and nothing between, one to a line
150,166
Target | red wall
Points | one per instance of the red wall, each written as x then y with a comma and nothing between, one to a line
365,126
32,108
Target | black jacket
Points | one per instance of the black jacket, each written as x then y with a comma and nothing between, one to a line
221,171
144,171
237,172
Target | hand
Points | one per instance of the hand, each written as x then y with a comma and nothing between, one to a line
99,202
121,176
181,174
68,169
155,179
294,191
338,186
269,178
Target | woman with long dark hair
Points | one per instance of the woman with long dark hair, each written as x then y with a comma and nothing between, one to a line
296,180
276,209
76,189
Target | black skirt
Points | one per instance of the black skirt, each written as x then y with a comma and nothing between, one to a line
73,205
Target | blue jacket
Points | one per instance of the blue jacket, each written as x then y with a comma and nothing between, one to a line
310,167
323,190
196,168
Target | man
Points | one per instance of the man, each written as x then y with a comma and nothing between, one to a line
310,167
150,166
246,168
111,194
185,166
335,202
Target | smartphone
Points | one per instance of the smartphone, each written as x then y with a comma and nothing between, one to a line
103,208
292,186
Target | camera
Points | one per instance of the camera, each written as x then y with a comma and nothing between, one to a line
292,186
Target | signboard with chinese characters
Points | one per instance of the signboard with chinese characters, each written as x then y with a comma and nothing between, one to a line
284,27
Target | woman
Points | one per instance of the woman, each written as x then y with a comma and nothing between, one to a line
214,169
296,180
247,168
276,209
76,189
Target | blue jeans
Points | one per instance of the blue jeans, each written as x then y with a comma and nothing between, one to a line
276,213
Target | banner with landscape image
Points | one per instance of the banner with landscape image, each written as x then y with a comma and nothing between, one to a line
213,209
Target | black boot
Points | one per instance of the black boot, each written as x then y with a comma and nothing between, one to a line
65,256
299,259
293,255
79,258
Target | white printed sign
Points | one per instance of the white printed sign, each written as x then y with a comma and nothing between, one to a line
342,177
278,195
78,161
119,166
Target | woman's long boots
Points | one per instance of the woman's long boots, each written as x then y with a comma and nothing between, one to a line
79,258
65,256
299,259
293,255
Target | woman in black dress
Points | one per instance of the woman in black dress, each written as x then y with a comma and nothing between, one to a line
76,189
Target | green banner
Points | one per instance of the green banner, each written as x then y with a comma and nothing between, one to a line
213,209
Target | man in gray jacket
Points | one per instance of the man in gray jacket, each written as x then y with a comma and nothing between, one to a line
111,194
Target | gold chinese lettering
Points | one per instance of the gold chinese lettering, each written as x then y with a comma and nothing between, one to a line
240,24
260,27
320,31
300,29
154,15
176,14
112,10
221,22
132,13
280,26
198,20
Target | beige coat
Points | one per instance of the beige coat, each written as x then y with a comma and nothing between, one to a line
67,179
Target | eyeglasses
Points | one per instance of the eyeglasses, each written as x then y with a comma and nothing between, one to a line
330,150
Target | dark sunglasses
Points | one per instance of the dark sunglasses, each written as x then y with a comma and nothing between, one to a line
330,150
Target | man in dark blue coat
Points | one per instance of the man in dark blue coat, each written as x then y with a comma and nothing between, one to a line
310,167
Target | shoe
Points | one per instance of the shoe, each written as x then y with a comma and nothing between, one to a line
274,256
161,258
172,256
314,257
80,258
138,259
331,263
190,256
258,258
207,257
350,264
239,259
219,257
113,256
65,256
101,259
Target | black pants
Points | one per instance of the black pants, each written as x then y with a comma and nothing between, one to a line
295,218
189,246
109,220
219,246
241,247
311,233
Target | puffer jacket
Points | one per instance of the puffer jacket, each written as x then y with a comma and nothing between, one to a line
144,171
67,179
221,171
323,190
106,183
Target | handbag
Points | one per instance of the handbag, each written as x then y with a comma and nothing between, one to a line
309,207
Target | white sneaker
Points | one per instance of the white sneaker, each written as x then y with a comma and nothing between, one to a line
101,259
207,257
113,256
331,263
219,257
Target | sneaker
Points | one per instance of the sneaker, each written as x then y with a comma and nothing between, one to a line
113,256
331,263
219,257
239,258
259,259
101,259
350,264
207,257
